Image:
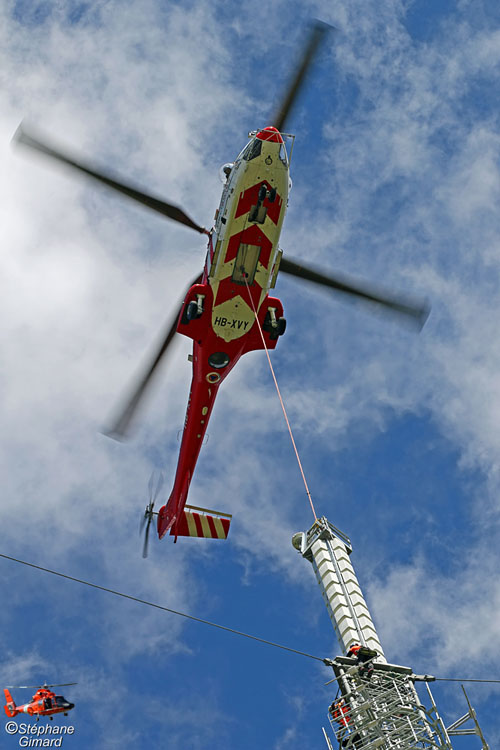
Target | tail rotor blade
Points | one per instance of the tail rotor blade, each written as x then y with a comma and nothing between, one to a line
416,311
142,523
150,486
146,521
157,478
148,513
159,485
42,146
146,538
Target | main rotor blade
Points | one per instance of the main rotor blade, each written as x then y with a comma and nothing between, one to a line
24,687
61,684
120,426
315,37
37,687
417,311
172,212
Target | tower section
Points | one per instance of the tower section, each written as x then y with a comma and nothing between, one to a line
329,550
375,704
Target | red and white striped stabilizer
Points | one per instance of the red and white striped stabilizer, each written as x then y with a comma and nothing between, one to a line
199,522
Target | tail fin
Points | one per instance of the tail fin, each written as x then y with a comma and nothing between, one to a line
199,522
165,521
167,517
10,708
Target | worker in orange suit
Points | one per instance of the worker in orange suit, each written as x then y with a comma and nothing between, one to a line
339,711
364,657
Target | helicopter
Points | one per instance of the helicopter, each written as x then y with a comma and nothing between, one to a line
44,702
227,310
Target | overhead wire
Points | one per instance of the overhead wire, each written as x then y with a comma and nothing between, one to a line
164,609
208,622
326,661
457,679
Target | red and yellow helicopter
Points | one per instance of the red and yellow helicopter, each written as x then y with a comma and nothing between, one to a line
228,305
44,702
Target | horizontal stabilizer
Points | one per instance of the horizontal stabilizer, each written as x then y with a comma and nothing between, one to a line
200,522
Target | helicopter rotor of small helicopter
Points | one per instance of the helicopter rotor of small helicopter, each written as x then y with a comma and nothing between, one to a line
224,306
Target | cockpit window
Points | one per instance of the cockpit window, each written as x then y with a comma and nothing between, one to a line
283,155
60,701
252,149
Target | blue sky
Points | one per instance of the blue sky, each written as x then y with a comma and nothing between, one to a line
396,179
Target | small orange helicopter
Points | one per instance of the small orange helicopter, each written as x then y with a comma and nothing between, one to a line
44,702
227,309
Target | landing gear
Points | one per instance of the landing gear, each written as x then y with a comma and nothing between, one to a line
258,212
265,193
193,309
274,326
279,330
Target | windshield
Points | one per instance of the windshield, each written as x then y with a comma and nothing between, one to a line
251,150
283,155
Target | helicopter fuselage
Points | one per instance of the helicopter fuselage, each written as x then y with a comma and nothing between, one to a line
44,703
219,312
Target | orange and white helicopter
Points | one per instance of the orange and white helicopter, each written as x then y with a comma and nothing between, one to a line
44,702
228,305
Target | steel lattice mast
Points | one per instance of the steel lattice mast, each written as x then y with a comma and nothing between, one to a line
383,711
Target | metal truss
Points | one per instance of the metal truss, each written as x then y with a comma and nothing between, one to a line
384,711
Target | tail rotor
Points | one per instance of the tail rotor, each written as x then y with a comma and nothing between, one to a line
157,478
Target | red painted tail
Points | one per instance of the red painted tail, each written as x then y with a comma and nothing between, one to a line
10,708
173,509
166,518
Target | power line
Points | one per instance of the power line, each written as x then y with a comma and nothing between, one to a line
466,679
164,609
213,624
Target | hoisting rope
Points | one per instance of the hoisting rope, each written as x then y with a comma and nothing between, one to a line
164,609
280,398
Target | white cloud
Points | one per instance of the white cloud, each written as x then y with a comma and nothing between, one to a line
417,604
